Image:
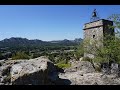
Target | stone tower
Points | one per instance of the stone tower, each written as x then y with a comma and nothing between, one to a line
95,31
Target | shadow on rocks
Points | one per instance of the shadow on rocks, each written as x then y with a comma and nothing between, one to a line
63,82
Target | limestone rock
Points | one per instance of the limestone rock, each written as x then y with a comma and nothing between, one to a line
33,72
81,59
41,71
76,78
84,66
114,68
85,74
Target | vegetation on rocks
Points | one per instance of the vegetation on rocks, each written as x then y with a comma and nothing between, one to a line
20,55
79,52
63,65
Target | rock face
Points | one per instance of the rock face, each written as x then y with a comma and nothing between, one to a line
83,66
33,72
77,78
115,69
39,71
5,72
76,72
83,73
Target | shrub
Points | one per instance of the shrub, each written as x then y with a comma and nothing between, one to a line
60,65
20,55
79,52
63,64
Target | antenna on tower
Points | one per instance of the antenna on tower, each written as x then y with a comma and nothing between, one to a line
94,16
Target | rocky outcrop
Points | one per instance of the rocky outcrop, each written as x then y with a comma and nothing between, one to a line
77,78
34,72
83,73
83,66
5,72
39,71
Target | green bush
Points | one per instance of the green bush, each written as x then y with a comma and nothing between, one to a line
62,65
79,52
20,55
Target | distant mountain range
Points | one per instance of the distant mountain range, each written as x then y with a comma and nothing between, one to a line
16,41
77,40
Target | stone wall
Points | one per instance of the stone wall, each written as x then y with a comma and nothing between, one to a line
94,33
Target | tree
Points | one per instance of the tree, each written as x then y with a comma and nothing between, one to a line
79,52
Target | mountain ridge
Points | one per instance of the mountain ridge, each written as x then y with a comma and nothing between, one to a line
18,41
38,39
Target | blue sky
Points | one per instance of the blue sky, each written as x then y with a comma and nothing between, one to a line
49,22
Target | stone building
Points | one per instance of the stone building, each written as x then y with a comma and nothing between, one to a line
94,32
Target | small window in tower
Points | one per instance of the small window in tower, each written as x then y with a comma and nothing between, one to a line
93,36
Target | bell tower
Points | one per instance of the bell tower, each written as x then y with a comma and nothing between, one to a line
95,30
94,16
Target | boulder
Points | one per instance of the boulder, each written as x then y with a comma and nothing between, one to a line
83,66
72,62
76,78
114,68
41,71
38,71
2,62
81,59
105,68
83,73
5,74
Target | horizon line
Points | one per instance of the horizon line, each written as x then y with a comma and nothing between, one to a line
42,40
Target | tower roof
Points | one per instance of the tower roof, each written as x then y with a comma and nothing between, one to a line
99,20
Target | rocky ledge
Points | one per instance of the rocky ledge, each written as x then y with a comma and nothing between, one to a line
41,71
